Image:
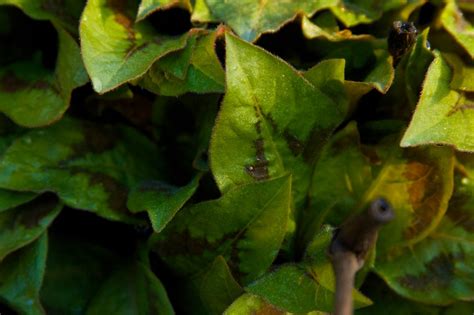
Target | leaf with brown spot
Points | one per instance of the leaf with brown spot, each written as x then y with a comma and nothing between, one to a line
115,48
273,120
246,226
417,182
22,225
89,166
439,269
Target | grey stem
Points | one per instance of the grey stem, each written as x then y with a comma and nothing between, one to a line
345,267
350,246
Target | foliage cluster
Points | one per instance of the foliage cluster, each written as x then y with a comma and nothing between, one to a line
194,157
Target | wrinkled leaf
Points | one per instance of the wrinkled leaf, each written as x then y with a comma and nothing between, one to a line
272,121
161,201
22,225
147,7
115,49
218,287
21,276
132,289
74,273
89,166
250,18
439,269
443,115
246,226
455,23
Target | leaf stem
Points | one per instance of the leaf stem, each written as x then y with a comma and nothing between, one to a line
350,246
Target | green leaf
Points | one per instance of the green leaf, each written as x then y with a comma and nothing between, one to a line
251,304
296,288
439,269
466,5
89,166
463,74
456,25
341,177
22,225
410,73
194,69
66,13
75,271
416,66
352,12
246,226
269,123
115,49
21,276
201,12
11,199
368,63
328,76
250,18
24,83
387,302
218,287
132,289
147,7
418,184
442,115
325,26
161,201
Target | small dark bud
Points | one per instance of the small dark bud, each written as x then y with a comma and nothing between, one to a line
359,233
401,38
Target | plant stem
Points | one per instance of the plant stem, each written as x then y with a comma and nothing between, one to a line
350,246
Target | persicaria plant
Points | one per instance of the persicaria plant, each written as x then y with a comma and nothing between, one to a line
197,156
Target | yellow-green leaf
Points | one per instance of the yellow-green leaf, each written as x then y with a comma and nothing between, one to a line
443,115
